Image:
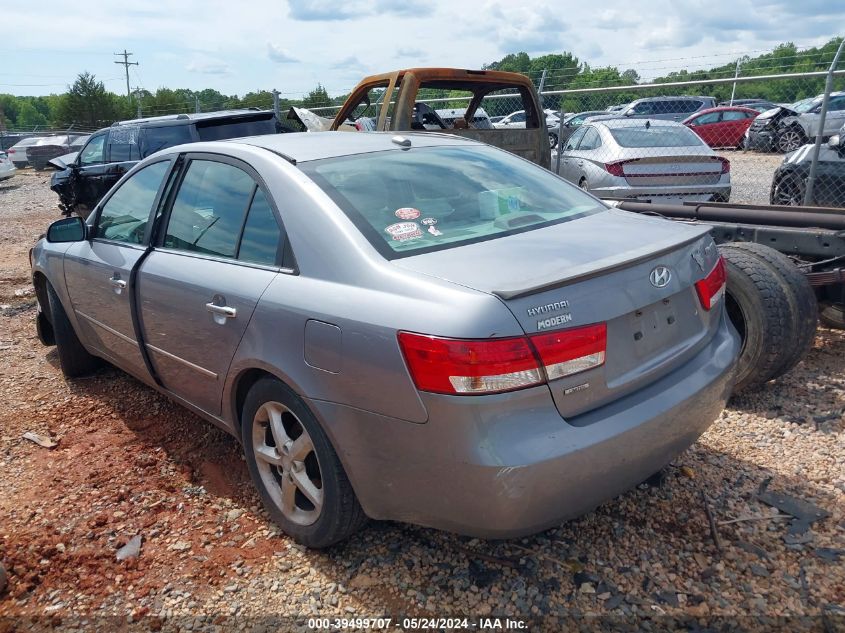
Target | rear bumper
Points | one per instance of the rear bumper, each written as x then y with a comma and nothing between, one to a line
697,193
507,465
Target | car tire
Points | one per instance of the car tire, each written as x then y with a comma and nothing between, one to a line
803,305
788,191
832,315
790,138
74,359
757,305
552,140
299,477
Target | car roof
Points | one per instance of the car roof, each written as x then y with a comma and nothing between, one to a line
307,146
194,116
724,109
675,98
616,123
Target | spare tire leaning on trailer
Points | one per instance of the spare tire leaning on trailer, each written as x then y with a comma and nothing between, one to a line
772,306
803,305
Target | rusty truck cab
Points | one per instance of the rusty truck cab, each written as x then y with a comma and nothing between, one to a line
402,101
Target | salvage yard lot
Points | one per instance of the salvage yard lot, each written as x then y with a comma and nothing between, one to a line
130,462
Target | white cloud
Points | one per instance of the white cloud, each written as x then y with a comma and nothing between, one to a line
216,43
279,55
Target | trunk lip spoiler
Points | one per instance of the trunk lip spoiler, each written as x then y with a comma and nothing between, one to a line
576,276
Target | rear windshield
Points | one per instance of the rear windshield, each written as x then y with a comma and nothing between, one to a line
209,131
422,200
655,136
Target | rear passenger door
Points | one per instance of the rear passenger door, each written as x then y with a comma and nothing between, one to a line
589,157
568,167
835,116
219,247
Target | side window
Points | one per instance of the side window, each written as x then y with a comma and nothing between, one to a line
734,115
519,117
124,216
156,138
93,152
209,209
645,107
369,104
123,143
590,140
710,117
577,135
836,104
687,105
262,238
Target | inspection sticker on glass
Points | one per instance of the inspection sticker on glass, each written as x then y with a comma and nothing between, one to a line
402,231
407,213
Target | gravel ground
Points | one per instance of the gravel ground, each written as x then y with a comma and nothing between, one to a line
751,175
129,462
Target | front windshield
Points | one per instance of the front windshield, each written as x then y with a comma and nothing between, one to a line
408,202
805,105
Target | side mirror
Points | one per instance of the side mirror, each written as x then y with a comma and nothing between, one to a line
833,141
72,229
628,112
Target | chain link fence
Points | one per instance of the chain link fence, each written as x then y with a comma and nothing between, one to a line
709,140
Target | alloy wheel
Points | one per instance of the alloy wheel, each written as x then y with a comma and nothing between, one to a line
790,140
789,193
287,463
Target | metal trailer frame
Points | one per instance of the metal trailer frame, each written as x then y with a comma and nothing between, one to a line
813,236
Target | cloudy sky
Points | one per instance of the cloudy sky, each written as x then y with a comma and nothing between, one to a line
237,47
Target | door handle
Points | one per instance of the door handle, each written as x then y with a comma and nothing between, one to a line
224,311
580,163
117,283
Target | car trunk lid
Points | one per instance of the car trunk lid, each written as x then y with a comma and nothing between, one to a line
596,270
672,167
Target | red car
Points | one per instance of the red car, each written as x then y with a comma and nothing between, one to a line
722,127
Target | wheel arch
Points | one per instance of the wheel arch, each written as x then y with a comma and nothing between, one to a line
39,282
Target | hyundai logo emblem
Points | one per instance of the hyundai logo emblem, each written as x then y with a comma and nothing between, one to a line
660,277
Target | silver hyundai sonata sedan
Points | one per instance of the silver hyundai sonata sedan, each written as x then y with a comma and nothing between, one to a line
419,328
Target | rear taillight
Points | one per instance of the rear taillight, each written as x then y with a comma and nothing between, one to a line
616,169
460,366
726,164
712,287
567,352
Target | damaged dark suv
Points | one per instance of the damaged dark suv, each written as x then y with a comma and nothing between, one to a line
84,178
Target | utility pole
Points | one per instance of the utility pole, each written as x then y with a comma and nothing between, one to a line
197,104
733,90
126,64
276,105
137,92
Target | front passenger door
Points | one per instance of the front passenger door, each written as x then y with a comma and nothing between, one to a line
198,288
98,271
